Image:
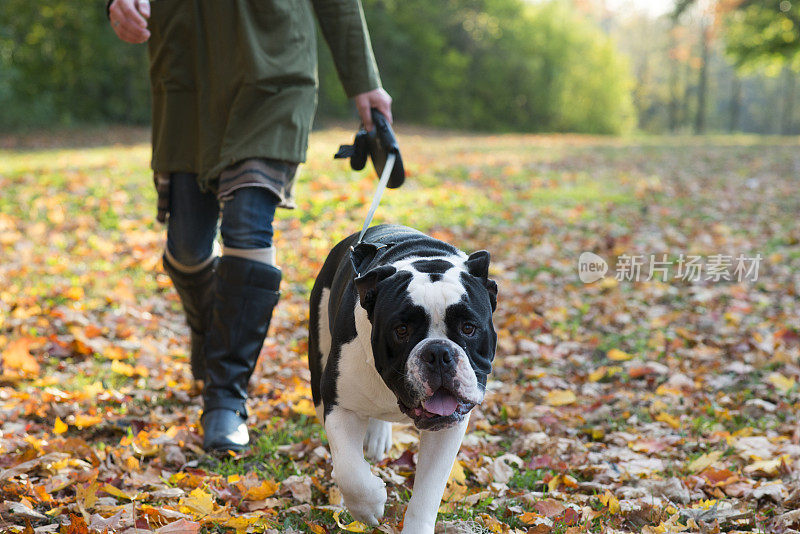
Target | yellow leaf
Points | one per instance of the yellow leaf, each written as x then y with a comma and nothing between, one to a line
493,524
122,368
767,467
74,293
618,355
116,492
233,479
597,374
316,529
553,484
355,526
666,390
457,473
86,495
671,420
267,488
560,397
304,407
781,383
60,427
706,460
240,524
83,421
198,503
610,502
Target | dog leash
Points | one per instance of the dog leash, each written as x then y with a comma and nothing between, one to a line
381,146
376,200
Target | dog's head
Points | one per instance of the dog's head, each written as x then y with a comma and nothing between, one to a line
432,333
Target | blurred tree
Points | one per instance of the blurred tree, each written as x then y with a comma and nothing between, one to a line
60,63
496,65
757,30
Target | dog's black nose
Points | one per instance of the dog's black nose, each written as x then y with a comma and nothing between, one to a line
440,356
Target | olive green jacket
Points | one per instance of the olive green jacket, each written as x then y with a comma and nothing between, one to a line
237,79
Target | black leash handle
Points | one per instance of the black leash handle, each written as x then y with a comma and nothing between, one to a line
384,132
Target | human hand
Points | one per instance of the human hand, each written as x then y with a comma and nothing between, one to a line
129,19
377,98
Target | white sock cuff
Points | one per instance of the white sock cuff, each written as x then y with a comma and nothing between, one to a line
260,255
191,269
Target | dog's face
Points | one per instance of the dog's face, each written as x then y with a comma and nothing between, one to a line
432,333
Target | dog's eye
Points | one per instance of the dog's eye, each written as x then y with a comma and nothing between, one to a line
468,329
401,332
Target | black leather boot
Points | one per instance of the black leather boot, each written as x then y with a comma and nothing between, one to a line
197,296
246,293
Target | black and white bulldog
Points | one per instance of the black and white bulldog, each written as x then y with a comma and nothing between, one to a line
400,331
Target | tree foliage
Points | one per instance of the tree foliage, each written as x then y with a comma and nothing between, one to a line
485,64
756,31
60,63
764,31
497,65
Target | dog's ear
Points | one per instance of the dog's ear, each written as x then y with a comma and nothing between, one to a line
478,266
362,255
367,283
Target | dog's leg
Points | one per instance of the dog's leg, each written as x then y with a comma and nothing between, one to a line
378,441
364,493
437,453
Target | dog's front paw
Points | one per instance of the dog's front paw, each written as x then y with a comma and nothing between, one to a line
378,441
365,503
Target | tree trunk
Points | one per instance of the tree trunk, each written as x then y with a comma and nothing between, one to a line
673,84
736,103
688,91
787,114
702,83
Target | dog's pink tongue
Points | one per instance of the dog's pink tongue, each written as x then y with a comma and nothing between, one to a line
442,403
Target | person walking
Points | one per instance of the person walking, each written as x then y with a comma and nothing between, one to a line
234,88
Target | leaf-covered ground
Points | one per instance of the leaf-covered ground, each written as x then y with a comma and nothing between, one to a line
616,406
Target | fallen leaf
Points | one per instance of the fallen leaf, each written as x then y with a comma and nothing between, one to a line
617,355
703,461
671,420
17,356
198,502
60,426
560,397
354,526
781,383
181,526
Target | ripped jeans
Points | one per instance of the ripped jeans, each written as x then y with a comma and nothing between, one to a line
193,217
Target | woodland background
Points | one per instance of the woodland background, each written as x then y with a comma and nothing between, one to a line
486,65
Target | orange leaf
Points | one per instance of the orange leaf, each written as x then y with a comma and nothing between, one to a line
83,421
17,356
77,525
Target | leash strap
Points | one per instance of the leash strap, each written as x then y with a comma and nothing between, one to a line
376,200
